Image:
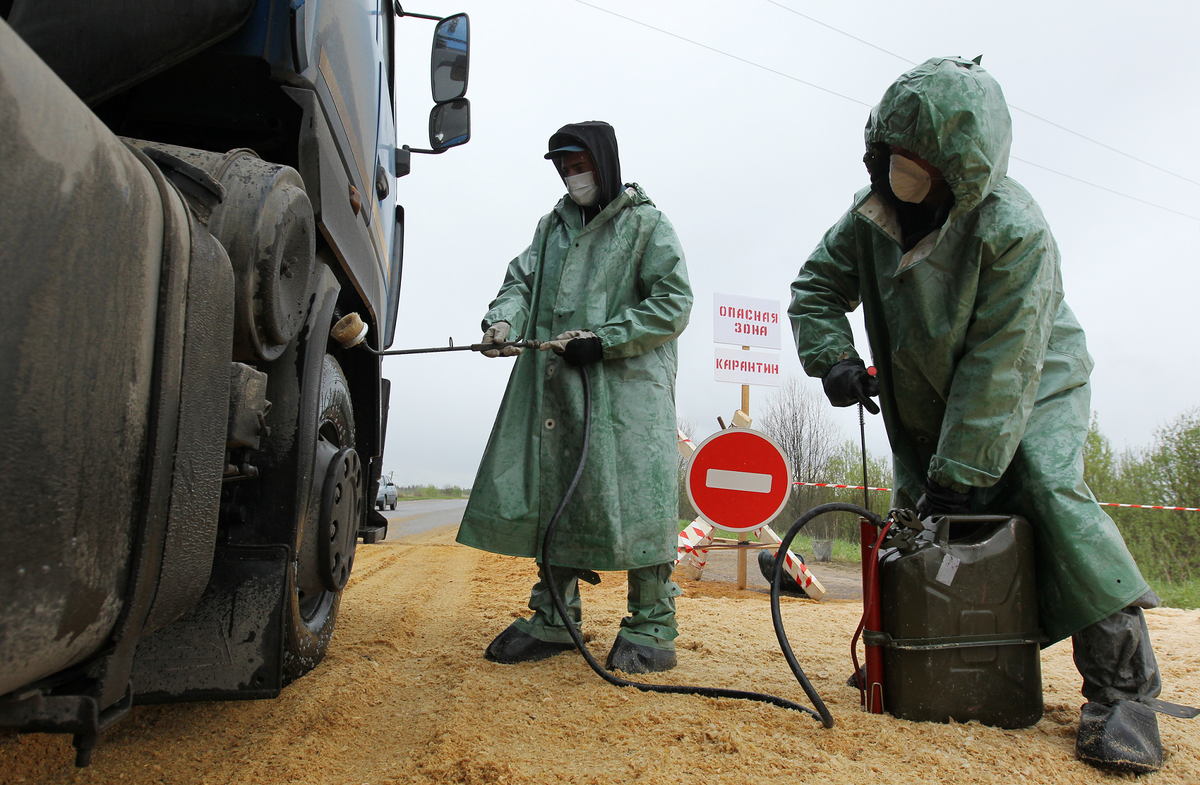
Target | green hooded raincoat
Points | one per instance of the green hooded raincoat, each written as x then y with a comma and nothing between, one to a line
622,276
983,369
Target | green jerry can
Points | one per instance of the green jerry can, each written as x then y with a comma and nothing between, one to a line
960,626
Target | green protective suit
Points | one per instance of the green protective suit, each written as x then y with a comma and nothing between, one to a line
622,276
983,369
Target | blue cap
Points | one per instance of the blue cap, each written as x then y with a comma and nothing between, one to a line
570,148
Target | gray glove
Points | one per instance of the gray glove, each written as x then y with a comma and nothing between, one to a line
559,344
498,333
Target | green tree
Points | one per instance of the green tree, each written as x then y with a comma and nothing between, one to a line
798,419
1166,543
846,468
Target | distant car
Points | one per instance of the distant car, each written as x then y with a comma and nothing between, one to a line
387,495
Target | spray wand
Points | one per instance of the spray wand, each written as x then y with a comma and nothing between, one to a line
351,331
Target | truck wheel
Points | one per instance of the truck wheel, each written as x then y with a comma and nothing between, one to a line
327,536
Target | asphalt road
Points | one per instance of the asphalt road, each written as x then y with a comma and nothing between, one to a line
841,581
414,517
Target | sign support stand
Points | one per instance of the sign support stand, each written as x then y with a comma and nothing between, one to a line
746,322
743,537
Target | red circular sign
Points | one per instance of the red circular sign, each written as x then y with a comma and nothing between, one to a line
738,479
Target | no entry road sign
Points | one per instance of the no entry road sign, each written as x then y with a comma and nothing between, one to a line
738,479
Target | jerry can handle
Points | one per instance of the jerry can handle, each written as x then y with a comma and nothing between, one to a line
942,523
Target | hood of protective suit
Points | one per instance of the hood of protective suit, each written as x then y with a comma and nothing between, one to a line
952,113
599,139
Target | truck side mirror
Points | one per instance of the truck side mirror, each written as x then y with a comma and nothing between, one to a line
450,125
451,58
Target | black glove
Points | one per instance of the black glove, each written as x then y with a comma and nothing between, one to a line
848,383
583,351
940,500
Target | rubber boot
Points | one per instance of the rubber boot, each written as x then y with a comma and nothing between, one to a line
513,646
766,565
544,634
646,641
630,657
1118,731
1121,736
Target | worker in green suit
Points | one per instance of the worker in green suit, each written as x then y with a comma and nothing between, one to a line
982,373
603,285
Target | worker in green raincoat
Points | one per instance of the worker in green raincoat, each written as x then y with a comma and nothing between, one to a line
982,372
603,284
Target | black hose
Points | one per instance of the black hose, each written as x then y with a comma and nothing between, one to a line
776,577
823,716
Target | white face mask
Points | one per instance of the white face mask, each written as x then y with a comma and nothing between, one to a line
910,183
583,189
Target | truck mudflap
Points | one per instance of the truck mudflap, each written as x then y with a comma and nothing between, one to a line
230,645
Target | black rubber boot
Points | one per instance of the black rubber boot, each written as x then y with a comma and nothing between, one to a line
766,565
631,657
513,646
1118,731
1121,736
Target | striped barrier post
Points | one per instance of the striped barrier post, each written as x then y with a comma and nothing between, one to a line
795,567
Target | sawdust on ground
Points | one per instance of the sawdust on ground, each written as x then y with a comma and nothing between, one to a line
405,696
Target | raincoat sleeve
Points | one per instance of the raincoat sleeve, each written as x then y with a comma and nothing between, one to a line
662,313
826,289
512,302
996,382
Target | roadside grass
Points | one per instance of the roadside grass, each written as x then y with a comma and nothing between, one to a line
1182,594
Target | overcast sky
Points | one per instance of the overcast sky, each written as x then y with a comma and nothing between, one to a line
754,150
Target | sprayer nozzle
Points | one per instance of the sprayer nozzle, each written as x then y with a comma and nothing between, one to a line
349,331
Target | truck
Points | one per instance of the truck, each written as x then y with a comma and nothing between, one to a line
194,194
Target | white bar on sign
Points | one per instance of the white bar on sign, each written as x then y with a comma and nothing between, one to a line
747,321
724,480
742,367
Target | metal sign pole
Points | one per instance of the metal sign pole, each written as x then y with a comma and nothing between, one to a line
742,536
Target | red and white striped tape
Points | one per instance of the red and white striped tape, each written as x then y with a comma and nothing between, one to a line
1150,506
833,485
1102,504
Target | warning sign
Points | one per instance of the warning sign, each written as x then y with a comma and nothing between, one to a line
741,367
746,321
738,479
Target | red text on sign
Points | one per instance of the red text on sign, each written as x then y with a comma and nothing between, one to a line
747,366
750,315
745,328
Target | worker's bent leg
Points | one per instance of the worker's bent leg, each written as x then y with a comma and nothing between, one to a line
651,605
1117,730
646,640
